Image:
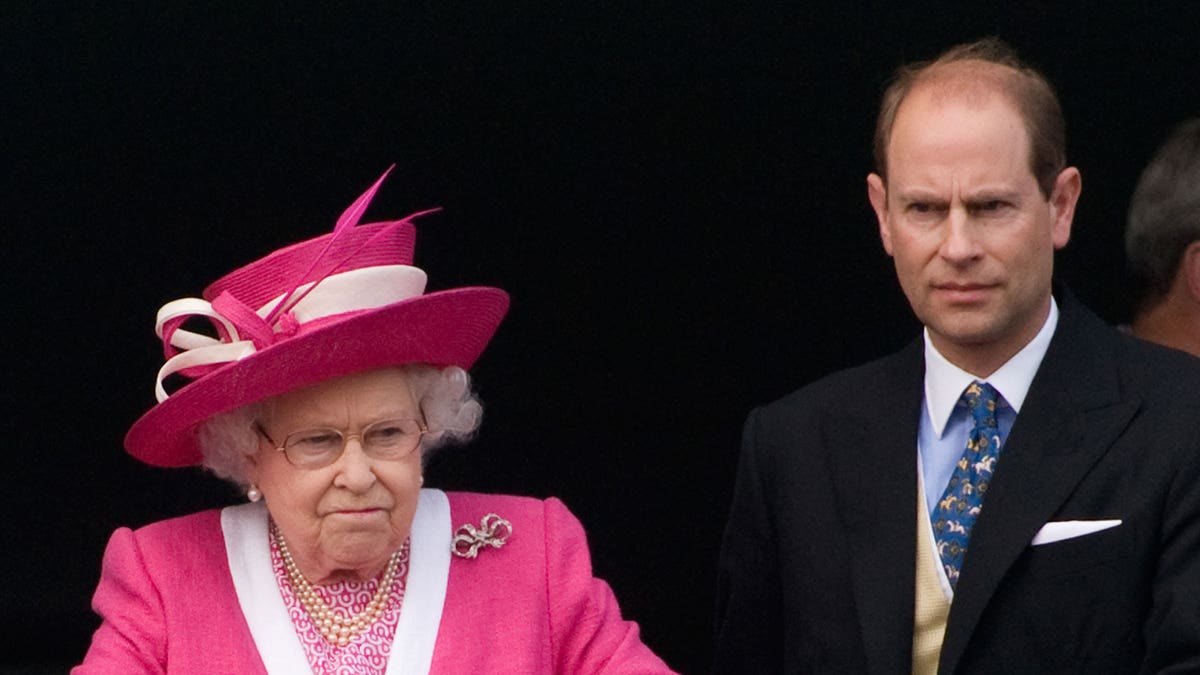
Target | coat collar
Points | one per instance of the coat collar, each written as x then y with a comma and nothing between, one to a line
1072,414
874,468
248,550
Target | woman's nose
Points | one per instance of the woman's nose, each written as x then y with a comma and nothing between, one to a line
355,471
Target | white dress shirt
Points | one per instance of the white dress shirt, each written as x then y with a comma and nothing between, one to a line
945,421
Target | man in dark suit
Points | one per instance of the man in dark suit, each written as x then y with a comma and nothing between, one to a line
1017,491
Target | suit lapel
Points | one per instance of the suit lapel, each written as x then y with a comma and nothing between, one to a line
1071,416
873,459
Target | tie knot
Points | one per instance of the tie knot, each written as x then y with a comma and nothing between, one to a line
981,400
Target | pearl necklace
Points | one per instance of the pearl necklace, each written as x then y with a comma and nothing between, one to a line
337,628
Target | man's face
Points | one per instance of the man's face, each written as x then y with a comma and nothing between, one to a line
971,235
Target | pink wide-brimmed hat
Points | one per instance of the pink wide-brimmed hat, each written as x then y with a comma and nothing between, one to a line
342,303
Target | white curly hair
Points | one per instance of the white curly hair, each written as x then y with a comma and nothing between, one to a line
452,412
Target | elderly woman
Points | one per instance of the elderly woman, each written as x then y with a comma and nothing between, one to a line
330,375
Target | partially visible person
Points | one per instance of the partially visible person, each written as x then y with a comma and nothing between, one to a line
1162,243
331,377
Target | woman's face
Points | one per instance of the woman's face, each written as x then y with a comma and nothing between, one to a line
345,519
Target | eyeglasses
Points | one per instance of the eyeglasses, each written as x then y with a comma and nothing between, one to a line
321,446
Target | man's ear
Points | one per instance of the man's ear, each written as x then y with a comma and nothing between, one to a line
877,194
1067,187
1189,267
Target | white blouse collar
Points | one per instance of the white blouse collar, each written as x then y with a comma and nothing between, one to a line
248,548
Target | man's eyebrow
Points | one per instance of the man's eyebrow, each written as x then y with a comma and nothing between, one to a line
992,195
910,196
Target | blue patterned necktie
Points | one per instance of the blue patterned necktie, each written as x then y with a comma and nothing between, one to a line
960,504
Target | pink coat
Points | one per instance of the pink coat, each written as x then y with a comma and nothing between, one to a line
169,604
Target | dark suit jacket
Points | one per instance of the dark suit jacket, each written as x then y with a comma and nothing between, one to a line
817,565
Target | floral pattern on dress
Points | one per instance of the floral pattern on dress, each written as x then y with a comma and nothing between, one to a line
367,653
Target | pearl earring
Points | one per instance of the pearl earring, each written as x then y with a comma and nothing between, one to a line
253,494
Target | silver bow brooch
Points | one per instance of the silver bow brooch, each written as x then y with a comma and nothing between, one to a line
492,531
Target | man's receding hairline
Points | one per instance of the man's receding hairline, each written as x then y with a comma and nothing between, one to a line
971,82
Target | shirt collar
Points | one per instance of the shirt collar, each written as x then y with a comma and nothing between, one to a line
945,382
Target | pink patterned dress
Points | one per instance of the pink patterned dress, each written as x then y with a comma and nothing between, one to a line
367,653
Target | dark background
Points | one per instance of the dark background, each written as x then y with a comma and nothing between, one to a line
672,193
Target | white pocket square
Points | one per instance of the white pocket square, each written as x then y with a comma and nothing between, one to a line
1069,529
